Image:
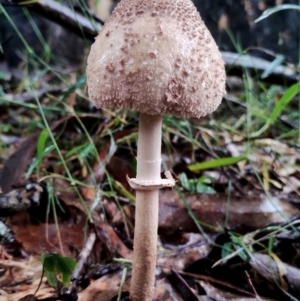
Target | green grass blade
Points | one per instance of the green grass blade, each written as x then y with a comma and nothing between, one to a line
36,162
276,9
290,93
278,61
42,142
216,163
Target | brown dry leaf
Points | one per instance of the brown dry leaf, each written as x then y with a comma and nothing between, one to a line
277,146
279,157
40,238
235,150
254,211
119,168
23,278
68,196
99,167
181,256
15,165
292,184
19,272
104,288
111,208
116,166
218,294
269,269
269,154
104,231
3,295
44,292
186,291
110,239
71,101
88,194
165,291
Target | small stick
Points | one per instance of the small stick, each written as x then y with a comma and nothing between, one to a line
251,285
86,251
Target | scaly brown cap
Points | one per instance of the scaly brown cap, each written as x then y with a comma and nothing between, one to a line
156,57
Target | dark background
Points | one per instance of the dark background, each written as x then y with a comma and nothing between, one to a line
231,22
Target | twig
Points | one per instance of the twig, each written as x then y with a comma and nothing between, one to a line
84,255
67,17
70,292
29,96
280,74
251,285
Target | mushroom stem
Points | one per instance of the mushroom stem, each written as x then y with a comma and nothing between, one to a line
146,208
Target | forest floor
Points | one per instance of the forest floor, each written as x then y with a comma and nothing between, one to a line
229,230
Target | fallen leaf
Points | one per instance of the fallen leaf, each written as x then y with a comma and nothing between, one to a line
39,238
110,239
14,167
218,294
180,256
104,288
270,269
219,211
165,291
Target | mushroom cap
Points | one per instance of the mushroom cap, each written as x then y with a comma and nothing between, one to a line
156,57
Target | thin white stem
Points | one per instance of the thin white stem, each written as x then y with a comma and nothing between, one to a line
146,209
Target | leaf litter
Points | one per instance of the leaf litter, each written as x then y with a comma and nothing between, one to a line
228,231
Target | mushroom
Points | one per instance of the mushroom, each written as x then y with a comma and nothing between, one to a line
156,57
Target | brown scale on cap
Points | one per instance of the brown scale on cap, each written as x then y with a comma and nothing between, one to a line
163,61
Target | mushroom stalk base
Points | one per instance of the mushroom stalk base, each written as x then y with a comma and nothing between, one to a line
146,209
